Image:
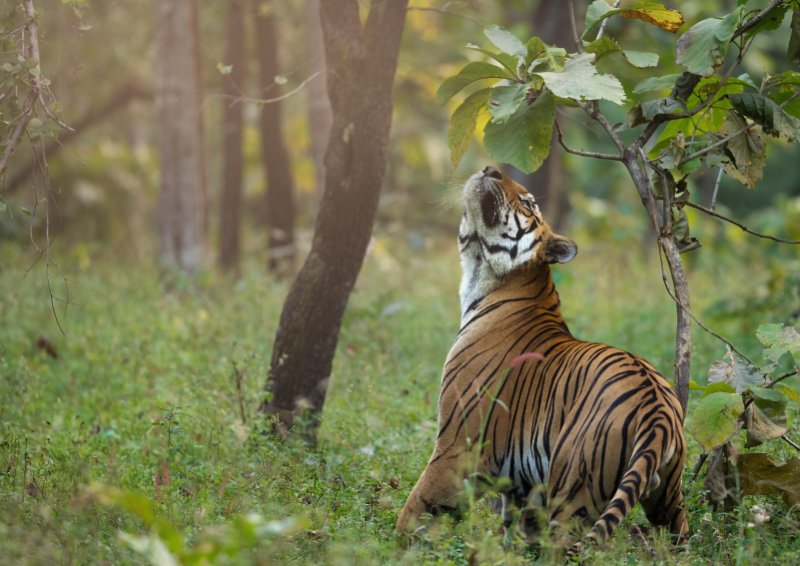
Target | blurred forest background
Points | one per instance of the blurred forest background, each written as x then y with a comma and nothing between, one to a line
149,396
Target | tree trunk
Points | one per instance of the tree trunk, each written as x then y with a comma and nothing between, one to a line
232,128
319,109
361,61
550,22
280,208
182,200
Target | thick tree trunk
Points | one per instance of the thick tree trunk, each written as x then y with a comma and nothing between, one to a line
361,66
319,109
280,208
182,201
232,127
550,21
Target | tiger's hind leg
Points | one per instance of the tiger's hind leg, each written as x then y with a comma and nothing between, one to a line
664,505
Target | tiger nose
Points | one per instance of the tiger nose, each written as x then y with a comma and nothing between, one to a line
492,172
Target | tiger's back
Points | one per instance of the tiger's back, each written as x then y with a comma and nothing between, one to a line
580,429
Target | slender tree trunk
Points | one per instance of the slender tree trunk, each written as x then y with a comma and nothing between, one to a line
280,207
182,201
550,21
361,61
319,108
232,128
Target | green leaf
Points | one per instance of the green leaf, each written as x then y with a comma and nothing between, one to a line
524,140
735,371
790,387
505,100
747,148
641,59
605,45
650,12
718,387
580,81
760,476
714,419
510,62
765,112
601,47
665,82
793,51
778,340
703,46
475,71
505,41
462,124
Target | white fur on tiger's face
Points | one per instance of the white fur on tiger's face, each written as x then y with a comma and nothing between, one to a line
501,231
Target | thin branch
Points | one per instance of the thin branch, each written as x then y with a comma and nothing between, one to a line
780,378
604,23
790,442
239,99
12,142
716,188
593,111
757,19
716,144
575,36
741,226
583,153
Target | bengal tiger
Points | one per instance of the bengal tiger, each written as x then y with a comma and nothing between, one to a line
578,430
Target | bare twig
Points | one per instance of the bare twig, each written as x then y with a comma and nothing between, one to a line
699,465
790,442
583,153
593,111
240,99
757,19
575,36
604,23
716,188
716,144
738,224
780,378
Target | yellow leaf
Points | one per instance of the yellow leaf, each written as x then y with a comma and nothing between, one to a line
655,14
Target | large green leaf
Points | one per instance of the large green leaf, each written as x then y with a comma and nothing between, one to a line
714,419
505,100
505,41
701,49
475,71
764,111
641,59
462,124
760,476
524,140
650,12
580,81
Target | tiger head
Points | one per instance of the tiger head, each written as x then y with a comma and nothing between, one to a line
502,231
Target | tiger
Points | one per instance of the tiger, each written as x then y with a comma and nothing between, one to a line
577,431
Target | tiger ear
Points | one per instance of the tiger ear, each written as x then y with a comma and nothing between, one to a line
558,249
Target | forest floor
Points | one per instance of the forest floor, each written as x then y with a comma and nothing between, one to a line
134,436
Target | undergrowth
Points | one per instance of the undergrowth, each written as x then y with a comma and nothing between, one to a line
136,432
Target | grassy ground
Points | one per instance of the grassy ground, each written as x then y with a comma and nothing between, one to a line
144,425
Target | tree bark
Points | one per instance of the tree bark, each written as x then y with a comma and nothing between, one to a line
280,207
361,62
319,109
232,129
182,200
551,23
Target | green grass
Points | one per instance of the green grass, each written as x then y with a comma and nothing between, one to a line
143,397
